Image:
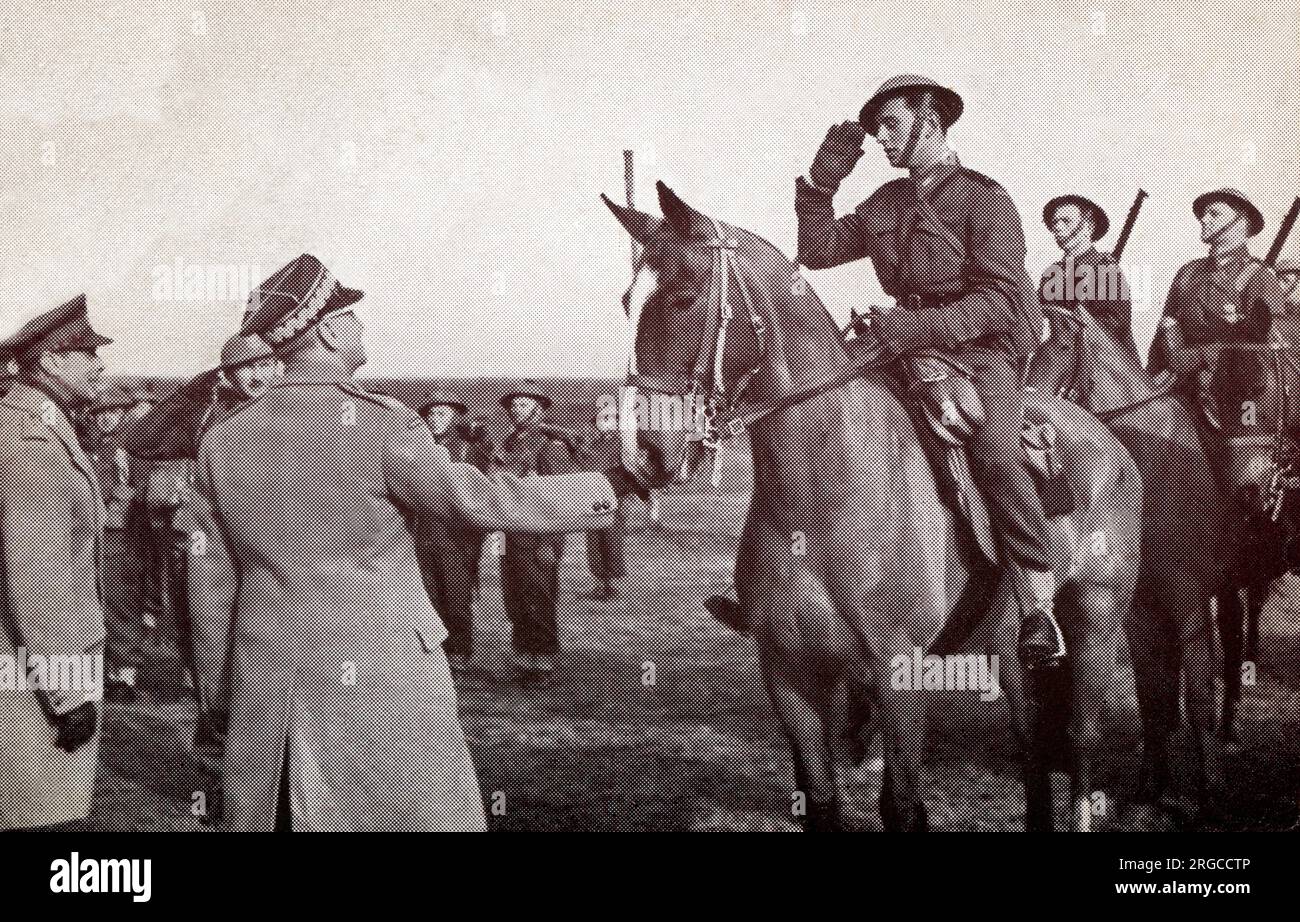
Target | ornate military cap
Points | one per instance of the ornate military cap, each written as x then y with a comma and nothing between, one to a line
294,299
1100,223
240,350
1237,200
442,400
66,328
528,389
947,102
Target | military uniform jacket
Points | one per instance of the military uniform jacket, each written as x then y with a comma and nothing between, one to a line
335,643
1225,300
1092,280
51,601
953,239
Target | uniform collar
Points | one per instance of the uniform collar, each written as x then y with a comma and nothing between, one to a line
1234,257
937,172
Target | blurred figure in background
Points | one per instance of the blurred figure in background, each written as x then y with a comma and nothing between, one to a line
112,413
448,551
529,562
606,550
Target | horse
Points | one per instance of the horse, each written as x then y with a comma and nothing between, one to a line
1253,414
1186,551
849,561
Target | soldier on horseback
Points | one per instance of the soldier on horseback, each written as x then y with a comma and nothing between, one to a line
1084,276
1228,296
948,245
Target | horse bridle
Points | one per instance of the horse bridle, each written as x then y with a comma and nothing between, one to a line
719,417
706,389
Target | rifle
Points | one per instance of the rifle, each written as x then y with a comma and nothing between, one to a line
1283,231
1129,221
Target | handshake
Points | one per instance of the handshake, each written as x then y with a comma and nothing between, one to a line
837,156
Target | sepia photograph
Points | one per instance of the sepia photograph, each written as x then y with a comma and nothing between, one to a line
695,415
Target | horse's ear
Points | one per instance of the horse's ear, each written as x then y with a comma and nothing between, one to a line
640,225
685,219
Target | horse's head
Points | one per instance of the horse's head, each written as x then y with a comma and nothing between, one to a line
697,326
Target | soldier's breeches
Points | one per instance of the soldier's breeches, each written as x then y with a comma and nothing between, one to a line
998,465
530,584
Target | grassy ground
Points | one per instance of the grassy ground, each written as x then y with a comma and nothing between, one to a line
699,747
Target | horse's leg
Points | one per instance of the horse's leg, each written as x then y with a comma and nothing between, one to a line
800,699
1153,646
1230,618
1095,617
1196,640
902,732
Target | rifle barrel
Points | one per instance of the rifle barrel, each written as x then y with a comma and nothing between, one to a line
1283,231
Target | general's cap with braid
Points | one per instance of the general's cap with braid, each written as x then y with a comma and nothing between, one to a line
294,299
240,350
66,328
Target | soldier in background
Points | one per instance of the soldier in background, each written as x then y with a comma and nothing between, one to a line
530,563
1084,276
607,549
449,552
52,520
109,417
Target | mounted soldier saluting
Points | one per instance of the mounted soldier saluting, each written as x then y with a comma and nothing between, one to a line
948,245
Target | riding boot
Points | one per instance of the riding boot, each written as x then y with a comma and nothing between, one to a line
1042,643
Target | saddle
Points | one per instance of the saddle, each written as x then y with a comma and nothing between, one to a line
946,409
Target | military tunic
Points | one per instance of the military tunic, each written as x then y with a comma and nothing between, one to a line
530,564
1229,298
1092,280
949,247
334,647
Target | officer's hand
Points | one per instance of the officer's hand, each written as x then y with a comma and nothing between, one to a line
838,155
626,483
74,728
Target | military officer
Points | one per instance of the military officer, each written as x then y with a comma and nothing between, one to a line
530,563
51,599
340,695
1084,276
449,552
948,245
110,416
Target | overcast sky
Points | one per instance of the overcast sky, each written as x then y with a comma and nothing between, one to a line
446,157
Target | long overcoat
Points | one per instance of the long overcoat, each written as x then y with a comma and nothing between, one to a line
51,604
334,652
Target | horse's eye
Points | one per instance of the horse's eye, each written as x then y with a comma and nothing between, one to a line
679,300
